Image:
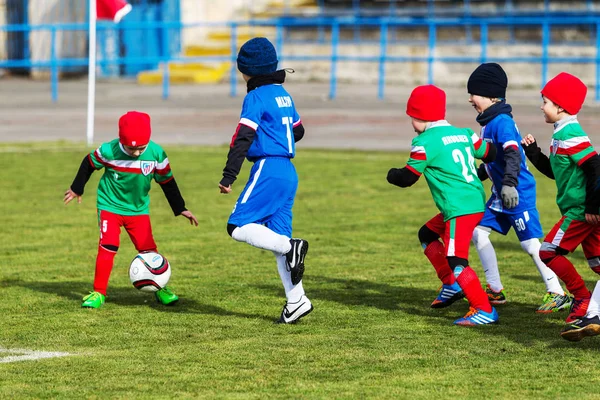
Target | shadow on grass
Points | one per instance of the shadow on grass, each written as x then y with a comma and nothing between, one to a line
518,321
127,296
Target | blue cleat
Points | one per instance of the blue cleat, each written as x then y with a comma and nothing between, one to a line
448,295
478,317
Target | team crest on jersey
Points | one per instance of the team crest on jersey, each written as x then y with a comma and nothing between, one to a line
147,167
554,147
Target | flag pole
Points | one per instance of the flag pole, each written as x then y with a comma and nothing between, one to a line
91,72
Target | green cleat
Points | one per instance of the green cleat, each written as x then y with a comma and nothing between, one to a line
166,296
553,302
93,300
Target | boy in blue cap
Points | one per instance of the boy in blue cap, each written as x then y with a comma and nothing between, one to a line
266,135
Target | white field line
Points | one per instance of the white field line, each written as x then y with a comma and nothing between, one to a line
25,355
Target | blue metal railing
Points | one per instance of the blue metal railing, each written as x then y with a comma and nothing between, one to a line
334,25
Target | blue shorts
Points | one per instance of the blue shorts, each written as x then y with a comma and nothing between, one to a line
268,196
526,224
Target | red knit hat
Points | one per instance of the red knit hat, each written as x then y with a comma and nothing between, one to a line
134,129
427,103
566,91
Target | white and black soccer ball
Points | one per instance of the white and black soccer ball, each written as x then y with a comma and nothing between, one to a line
149,272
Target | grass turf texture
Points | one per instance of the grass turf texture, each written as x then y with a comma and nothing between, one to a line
372,334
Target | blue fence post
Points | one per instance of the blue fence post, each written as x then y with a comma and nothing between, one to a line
430,58
382,58
484,42
279,32
233,69
53,67
165,60
335,38
597,62
545,45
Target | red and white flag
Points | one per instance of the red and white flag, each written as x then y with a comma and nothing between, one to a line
114,10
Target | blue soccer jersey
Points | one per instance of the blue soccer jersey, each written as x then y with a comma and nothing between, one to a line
503,132
270,111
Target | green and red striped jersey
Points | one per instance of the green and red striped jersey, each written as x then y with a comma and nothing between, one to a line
570,147
124,188
446,156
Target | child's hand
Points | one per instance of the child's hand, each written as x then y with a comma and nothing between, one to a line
70,195
592,219
188,214
527,140
225,189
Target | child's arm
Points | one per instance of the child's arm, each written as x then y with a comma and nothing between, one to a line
485,151
242,139
83,175
539,160
298,132
175,199
403,177
591,168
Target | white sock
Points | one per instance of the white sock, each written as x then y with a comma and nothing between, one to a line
532,247
262,237
594,307
487,255
292,293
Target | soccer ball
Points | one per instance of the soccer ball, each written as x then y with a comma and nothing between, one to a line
149,272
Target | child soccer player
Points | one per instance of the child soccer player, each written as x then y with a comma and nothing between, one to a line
512,203
130,164
266,134
446,156
574,165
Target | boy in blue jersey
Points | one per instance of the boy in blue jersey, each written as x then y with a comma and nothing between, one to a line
266,135
513,199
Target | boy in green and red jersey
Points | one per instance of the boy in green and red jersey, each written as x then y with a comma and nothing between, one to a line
575,167
446,156
131,162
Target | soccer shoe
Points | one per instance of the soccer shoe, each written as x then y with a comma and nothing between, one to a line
166,296
295,259
578,310
553,302
495,298
292,312
93,300
448,295
477,317
586,326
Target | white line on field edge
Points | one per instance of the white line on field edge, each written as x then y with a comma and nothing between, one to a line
25,355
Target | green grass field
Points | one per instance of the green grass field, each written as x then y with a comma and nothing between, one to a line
371,335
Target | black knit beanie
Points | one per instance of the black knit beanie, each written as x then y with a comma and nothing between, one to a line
488,80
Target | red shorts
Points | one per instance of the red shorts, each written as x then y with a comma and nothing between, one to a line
456,232
569,233
137,226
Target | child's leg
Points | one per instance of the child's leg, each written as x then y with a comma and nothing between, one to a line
293,293
260,236
532,247
434,250
110,231
487,255
459,232
564,237
139,229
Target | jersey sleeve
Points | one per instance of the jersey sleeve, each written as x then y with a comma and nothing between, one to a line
297,119
417,162
481,146
578,148
99,157
252,111
162,172
507,136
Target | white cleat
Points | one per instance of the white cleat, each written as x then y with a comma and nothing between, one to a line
292,312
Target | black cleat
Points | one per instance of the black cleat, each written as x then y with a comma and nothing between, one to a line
577,330
295,259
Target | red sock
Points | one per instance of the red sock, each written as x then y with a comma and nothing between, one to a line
435,253
596,270
104,264
469,283
565,270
